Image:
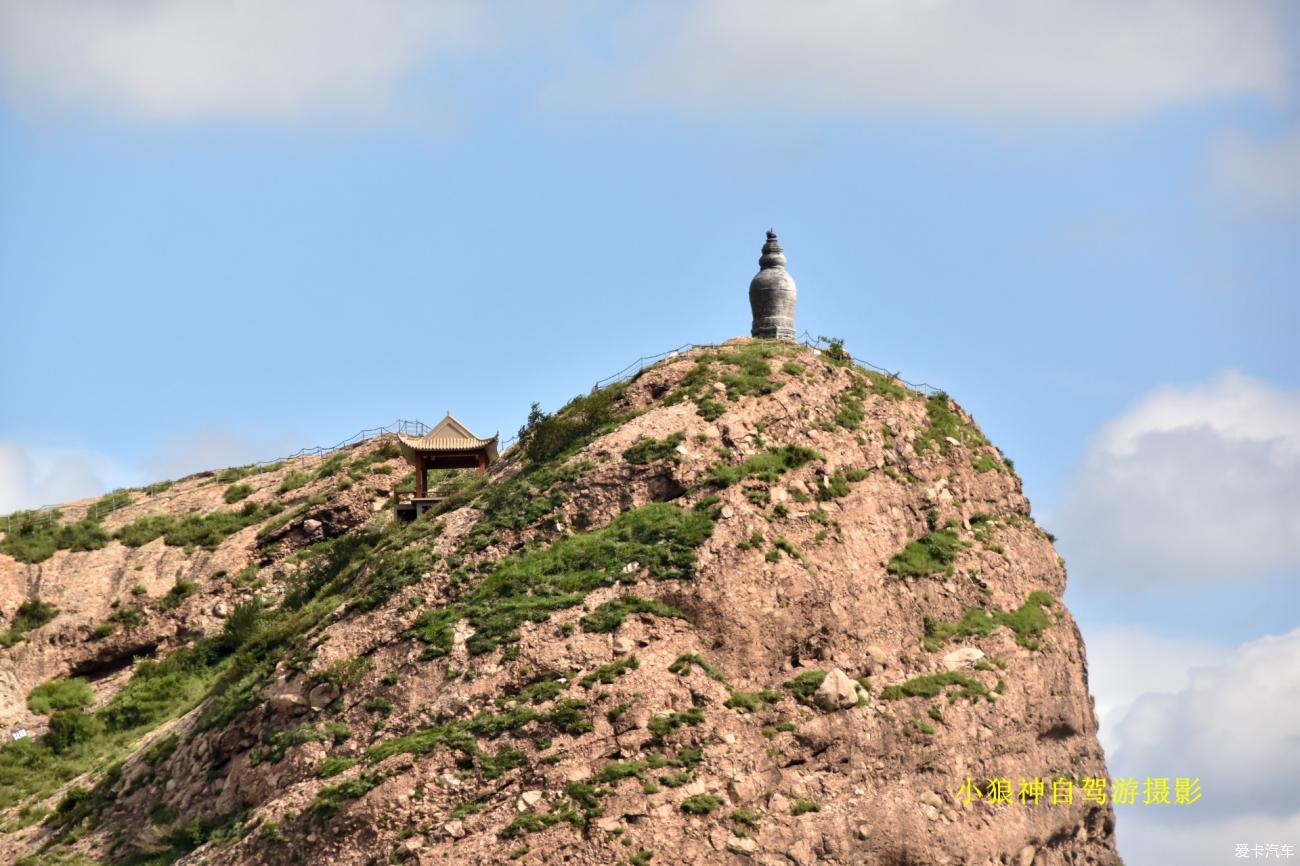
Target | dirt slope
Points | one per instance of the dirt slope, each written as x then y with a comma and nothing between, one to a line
754,606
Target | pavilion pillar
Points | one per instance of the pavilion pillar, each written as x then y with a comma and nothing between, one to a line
421,477
482,459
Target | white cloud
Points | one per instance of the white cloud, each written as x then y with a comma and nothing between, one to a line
1179,707
1125,663
289,60
1145,841
1067,58
1233,726
1172,707
259,59
1259,174
1190,484
32,477
35,475
212,448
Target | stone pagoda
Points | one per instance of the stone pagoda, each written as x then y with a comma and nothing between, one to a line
772,294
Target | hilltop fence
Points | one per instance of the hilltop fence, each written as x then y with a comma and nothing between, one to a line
110,503
819,344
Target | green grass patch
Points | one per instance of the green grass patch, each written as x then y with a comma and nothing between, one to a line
237,493
35,536
544,436
293,480
887,386
701,804
31,614
932,685
803,807
648,450
945,424
181,590
332,766
1027,622
766,466
932,553
667,723
686,662
331,800
198,530
607,673
834,487
805,685
530,586
752,701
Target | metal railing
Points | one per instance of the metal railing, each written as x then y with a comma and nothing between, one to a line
819,344
419,428
101,508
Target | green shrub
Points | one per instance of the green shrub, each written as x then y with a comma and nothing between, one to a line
835,351
69,728
31,614
834,487
237,492
292,481
747,818
209,530
145,529
332,766
180,591
887,386
931,685
663,725
752,701
932,553
648,450
766,466
35,536
945,424
607,673
701,804
332,799
802,807
331,465
1028,622
529,586
805,685
545,437
685,662
54,695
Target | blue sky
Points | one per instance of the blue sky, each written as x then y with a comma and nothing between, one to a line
254,229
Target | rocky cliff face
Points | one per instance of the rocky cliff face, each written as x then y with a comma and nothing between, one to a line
756,605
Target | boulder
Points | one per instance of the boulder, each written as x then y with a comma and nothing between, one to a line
876,660
322,695
837,692
741,845
962,658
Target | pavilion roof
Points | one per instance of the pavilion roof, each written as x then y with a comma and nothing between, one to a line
449,435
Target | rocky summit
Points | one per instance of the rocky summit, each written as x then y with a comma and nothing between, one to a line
756,604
